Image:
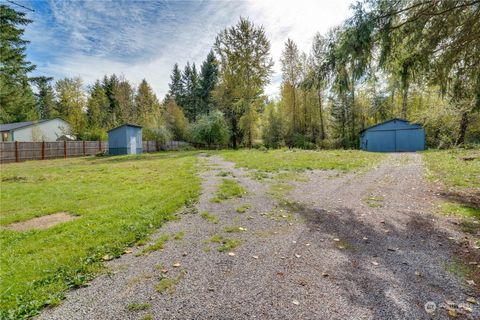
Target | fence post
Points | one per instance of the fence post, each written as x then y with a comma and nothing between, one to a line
83,147
43,150
65,148
100,145
16,151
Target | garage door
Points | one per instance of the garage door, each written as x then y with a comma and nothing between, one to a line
409,140
381,141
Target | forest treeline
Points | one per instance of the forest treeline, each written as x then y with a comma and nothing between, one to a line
417,60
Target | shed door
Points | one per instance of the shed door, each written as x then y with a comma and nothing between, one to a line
381,141
133,145
409,140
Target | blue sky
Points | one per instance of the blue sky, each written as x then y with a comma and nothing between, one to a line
143,39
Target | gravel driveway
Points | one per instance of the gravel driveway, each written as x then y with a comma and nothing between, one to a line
344,246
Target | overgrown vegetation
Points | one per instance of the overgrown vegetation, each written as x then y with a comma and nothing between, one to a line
134,306
119,200
168,284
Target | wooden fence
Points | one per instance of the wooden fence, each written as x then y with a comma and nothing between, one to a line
20,151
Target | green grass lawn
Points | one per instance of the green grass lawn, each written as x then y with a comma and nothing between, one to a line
448,168
119,201
284,159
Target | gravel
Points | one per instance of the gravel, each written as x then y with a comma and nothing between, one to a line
385,263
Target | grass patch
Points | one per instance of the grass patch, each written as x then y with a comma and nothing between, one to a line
120,200
138,306
447,167
291,176
259,175
288,159
227,190
226,244
280,190
243,208
209,217
179,235
168,284
374,201
157,245
147,317
470,217
225,174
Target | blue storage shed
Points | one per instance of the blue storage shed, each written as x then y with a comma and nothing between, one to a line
125,139
396,135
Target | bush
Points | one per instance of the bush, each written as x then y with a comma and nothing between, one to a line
301,142
210,129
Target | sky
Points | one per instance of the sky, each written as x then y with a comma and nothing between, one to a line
144,39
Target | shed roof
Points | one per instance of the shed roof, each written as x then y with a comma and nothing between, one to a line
126,125
382,123
18,125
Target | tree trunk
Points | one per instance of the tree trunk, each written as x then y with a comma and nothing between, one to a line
463,128
322,129
404,101
294,110
234,133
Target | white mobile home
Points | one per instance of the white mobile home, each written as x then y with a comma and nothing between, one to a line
41,130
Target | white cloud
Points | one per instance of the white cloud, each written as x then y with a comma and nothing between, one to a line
144,39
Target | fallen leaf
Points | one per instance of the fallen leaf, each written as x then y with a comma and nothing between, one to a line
255,257
294,242
295,302
336,239
107,257
471,282
297,255
341,247
231,254
177,264
164,270
365,238
452,312
418,274
184,254
307,244
471,300
127,251
465,307
375,263
324,274
242,229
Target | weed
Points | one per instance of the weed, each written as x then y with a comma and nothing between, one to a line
148,316
226,243
138,306
225,174
179,235
157,245
209,217
168,284
230,229
243,208
374,201
227,190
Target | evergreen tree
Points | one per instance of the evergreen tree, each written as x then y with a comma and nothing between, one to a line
146,102
110,85
175,86
17,101
207,80
45,98
97,107
189,100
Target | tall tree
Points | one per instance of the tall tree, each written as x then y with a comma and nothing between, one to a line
98,107
17,101
45,98
110,85
124,95
72,104
245,69
175,86
207,80
190,97
146,102
291,69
